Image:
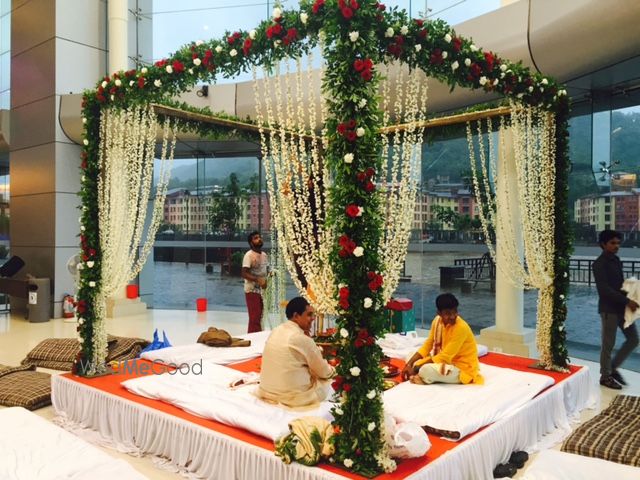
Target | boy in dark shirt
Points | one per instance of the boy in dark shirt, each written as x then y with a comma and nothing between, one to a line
607,271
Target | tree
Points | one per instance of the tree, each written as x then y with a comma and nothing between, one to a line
224,210
446,215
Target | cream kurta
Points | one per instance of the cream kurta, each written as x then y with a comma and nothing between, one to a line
292,364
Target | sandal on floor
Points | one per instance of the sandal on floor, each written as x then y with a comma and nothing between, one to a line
518,459
504,470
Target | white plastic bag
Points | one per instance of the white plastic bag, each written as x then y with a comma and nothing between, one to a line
406,440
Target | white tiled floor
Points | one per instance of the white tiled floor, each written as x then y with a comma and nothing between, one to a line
18,336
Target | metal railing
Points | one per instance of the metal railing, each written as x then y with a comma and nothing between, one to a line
580,269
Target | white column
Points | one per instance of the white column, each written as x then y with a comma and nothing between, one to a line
118,41
509,334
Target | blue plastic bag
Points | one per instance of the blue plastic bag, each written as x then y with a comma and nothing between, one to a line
157,344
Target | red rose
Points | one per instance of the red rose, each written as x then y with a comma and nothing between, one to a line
347,13
352,210
292,34
370,172
358,343
346,387
83,164
399,39
351,124
81,306
366,75
363,333
341,4
358,452
368,64
358,65
351,136
277,29
436,57
457,44
343,240
247,46
343,253
140,82
344,303
92,252
381,6
101,98
489,58
343,292
361,176
161,63
354,4
178,66
230,40
370,187
342,128
476,70
419,22
371,341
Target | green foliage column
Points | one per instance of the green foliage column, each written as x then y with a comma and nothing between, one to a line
351,85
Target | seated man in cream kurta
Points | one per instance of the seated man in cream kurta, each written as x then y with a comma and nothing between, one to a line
450,354
293,371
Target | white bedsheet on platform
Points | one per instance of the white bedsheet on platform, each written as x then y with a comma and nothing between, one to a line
196,352
209,396
556,465
404,345
32,448
465,408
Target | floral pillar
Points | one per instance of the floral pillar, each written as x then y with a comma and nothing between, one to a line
350,85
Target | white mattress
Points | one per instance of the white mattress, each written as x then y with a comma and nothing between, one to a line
197,352
556,465
209,396
465,408
403,346
32,448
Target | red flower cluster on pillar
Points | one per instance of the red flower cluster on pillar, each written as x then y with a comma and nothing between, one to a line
353,210
363,67
343,295
348,246
364,338
317,6
375,281
347,130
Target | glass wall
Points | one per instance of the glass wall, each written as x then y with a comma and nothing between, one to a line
5,85
5,53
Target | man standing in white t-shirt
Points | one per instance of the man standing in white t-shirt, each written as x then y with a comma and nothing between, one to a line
254,272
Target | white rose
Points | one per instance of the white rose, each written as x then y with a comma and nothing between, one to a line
84,120
112,97
562,93
104,84
144,70
169,69
83,178
360,132
545,81
502,75
371,427
344,333
358,252
495,82
447,38
467,62
190,71
389,32
80,339
233,52
561,297
303,18
92,284
418,47
252,34
362,103
368,302
277,13
277,43
157,82
360,211
90,263
218,49
404,30
131,82
371,395
118,82
353,36
503,67
82,229
445,55
455,65
85,141
348,158
565,273
197,62
199,42
355,371
483,80
561,328
520,95
338,411
473,48
348,462
530,89
80,321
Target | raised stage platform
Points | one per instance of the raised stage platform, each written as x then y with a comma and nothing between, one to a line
212,450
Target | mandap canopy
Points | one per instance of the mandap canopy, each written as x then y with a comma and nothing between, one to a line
358,40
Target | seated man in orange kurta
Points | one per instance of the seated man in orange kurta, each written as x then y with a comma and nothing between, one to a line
450,354
293,371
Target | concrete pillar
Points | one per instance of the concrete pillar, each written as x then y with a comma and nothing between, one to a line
118,34
509,335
